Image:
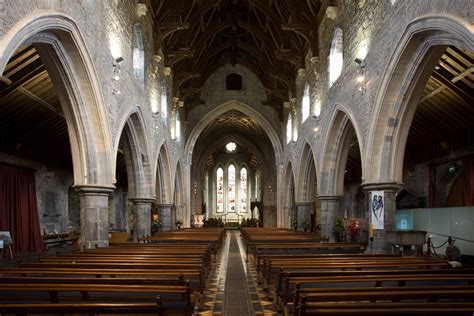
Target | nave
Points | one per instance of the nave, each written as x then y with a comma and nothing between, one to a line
217,271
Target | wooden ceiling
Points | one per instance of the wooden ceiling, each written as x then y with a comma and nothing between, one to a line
31,120
271,38
444,117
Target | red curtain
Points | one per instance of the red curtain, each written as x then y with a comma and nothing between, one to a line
18,207
468,166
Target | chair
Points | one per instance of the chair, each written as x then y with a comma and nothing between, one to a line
6,243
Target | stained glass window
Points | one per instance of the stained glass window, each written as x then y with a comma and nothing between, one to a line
305,104
243,190
220,190
335,57
231,188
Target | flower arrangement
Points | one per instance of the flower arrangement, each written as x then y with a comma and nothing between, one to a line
155,226
354,226
178,223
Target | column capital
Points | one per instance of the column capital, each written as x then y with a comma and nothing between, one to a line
329,197
164,205
94,189
304,203
142,200
383,186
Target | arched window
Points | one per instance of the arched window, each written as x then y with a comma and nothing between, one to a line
289,129
138,54
243,190
305,104
164,101
177,127
220,190
335,57
231,188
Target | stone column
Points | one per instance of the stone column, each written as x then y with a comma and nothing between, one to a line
304,213
269,216
142,216
380,243
94,206
330,212
164,214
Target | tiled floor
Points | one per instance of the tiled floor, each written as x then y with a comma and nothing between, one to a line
233,288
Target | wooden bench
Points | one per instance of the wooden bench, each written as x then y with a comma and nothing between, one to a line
365,302
172,296
265,256
306,247
83,308
273,275
65,238
305,285
288,279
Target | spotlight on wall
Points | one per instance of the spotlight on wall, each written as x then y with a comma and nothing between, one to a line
361,62
116,65
361,73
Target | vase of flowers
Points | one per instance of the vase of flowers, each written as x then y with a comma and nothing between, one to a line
354,227
155,227
339,229
178,223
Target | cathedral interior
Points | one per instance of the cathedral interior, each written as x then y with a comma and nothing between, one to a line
128,117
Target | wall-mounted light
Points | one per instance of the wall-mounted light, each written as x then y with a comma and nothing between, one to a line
361,74
115,91
116,66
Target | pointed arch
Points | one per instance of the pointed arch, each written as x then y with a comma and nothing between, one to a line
137,155
64,53
337,140
410,65
288,197
164,185
307,178
211,115
178,197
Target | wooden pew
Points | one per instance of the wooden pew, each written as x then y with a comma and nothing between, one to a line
307,247
194,276
372,279
264,256
172,296
83,308
365,302
273,275
288,279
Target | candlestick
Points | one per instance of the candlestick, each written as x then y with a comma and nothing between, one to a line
371,230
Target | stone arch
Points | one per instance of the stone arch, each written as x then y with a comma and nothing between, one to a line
164,184
178,197
335,151
287,215
211,115
62,48
306,175
137,155
412,62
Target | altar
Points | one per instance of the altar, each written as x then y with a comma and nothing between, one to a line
407,239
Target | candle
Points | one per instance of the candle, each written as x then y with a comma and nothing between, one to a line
371,231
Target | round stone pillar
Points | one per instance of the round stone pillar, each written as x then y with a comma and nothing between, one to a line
94,207
380,243
142,216
165,216
304,213
330,212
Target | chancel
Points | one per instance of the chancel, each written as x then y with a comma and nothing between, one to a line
237,157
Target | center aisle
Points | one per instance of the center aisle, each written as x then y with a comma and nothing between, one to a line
237,299
233,286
